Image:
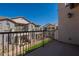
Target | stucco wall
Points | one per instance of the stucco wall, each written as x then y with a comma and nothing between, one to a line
31,27
68,30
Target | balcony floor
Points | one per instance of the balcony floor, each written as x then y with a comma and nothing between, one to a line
56,48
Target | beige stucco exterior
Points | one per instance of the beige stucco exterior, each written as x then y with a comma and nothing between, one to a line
68,30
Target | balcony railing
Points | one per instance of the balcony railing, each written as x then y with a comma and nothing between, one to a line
20,43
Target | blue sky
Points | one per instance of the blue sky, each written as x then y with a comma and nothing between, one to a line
39,13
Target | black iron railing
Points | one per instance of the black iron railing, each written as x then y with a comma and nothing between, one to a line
19,43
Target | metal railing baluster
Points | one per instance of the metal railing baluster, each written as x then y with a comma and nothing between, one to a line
13,38
8,43
26,43
23,43
2,44
20,43
16,43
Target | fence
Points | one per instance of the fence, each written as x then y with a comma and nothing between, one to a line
18,43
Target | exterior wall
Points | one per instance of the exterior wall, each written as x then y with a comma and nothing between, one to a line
31,27
68,30
19,27
38,28
56,34
6,26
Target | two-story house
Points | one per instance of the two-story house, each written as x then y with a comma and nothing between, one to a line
23,24
18,24
50,28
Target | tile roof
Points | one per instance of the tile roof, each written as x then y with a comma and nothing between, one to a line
20,20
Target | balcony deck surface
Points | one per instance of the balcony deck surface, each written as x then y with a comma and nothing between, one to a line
56,48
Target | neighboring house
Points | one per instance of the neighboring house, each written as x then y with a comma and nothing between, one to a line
50,28
68,30
21,24
18,24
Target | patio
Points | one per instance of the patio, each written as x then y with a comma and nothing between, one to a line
56,48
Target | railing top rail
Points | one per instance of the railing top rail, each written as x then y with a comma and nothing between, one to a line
20,32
